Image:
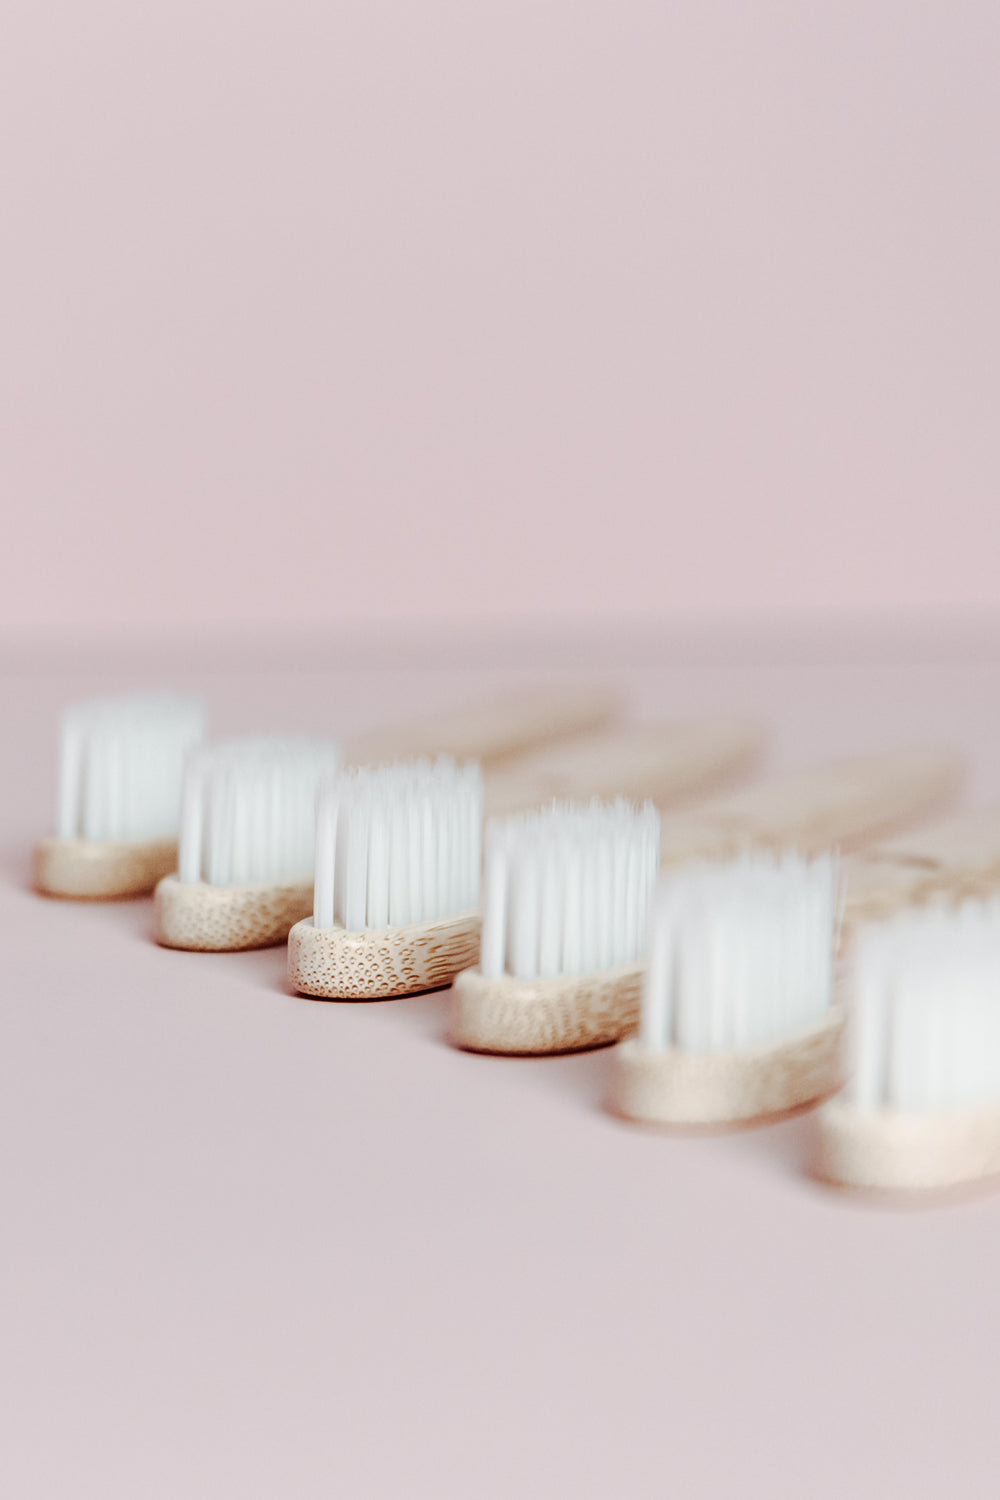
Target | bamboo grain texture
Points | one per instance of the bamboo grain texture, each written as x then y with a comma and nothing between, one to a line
206,918
534,1017
383,963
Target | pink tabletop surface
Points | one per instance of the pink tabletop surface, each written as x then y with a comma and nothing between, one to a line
258,1246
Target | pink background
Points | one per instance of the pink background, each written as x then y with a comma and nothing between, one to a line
408,310
380,309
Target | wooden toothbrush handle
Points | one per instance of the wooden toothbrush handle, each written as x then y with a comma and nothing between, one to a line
491,732
956,857
662,762
841,805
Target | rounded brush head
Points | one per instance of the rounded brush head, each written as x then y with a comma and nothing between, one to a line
737,1019
244,869
119,791
564,911
225,918
541,1017
729,1088
921,1109
382,963
396,908
101,869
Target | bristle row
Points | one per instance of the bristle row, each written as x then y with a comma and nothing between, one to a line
249,811
567,889
739,954
925,1027
398,845
120,767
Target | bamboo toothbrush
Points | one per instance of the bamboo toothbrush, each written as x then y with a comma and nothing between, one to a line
564,911
813,810
244,871
119,792
921,1110
737,1017
662,763
396,907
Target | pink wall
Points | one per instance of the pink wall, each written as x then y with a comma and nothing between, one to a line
316,308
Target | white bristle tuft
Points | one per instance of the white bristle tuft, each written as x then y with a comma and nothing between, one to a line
739,954
924,1032
398,845
567,889
249,811
121,762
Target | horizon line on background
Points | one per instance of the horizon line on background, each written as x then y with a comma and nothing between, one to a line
554,642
